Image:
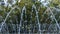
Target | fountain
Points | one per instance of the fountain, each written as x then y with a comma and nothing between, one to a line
2,24
25,23
34,7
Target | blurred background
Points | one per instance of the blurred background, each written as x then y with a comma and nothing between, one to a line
29,16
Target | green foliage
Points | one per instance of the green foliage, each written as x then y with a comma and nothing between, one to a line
54,3
28,4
